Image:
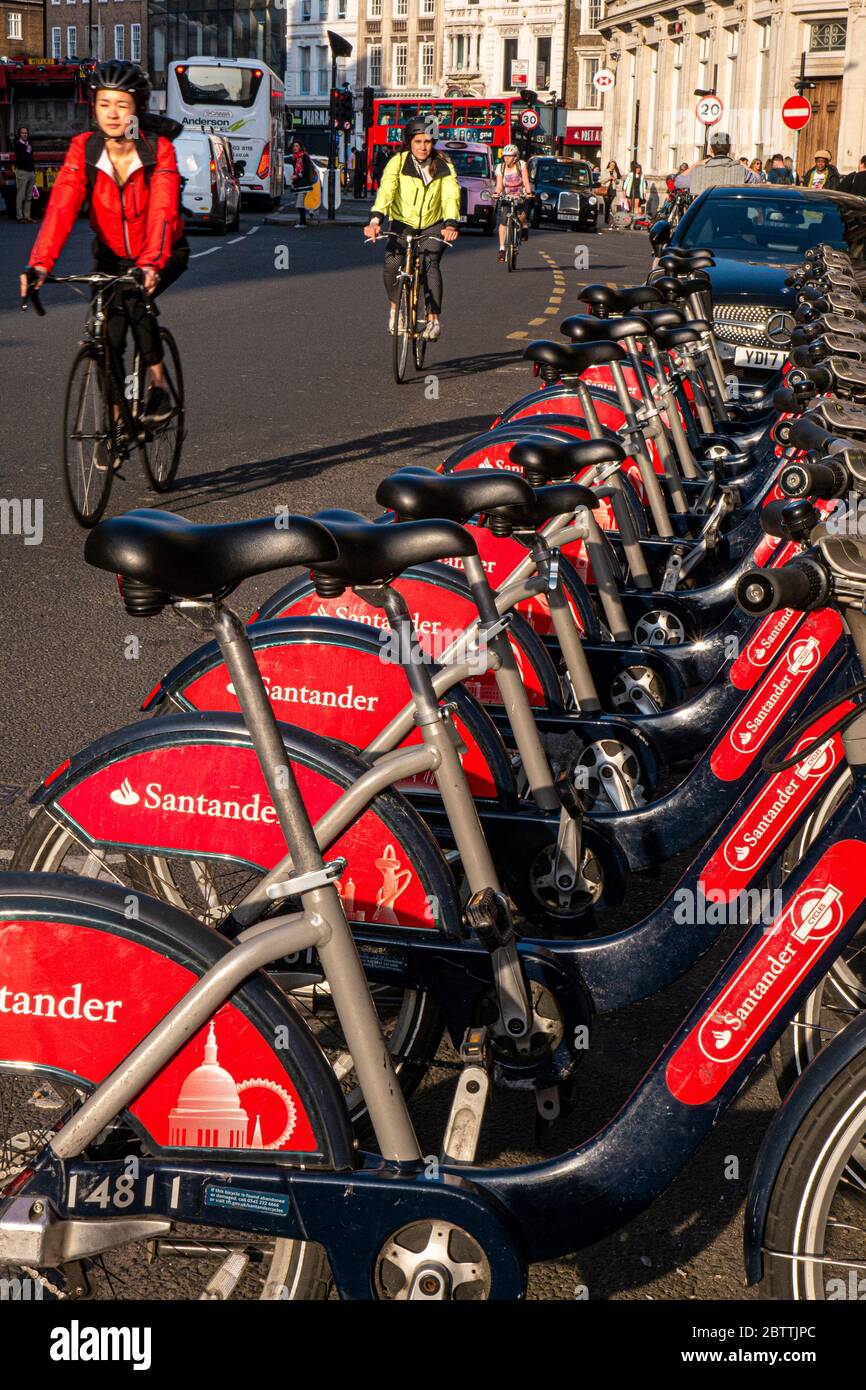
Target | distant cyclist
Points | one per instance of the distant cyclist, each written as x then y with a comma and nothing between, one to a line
512,181
418,191
134,188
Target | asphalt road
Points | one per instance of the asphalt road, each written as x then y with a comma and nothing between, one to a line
291,402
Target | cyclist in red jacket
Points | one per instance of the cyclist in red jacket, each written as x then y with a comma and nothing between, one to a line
134,188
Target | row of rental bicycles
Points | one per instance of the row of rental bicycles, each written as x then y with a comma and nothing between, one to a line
417,799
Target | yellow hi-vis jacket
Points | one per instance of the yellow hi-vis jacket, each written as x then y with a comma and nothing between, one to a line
404,197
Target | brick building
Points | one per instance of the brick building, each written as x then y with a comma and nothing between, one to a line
97,29
21,29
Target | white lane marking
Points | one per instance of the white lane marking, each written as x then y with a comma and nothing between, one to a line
256,228
209,252
233,241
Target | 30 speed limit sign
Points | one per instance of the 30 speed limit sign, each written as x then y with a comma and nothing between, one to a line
709,110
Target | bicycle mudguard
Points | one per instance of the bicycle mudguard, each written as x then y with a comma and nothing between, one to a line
191,785
88,969
451,611
820,1074
336,679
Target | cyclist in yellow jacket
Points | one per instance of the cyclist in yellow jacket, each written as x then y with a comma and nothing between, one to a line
418,192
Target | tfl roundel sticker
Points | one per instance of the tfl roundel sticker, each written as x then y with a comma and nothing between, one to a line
774,967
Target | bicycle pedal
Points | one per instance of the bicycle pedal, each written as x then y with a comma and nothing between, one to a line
489,915
463,1128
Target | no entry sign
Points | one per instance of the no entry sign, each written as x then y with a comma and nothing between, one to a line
796,113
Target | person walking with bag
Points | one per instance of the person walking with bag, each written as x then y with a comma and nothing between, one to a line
303,179
610,187
25,174
635,190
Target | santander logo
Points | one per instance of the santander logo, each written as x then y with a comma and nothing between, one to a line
310,695
802,658
772,812
256,809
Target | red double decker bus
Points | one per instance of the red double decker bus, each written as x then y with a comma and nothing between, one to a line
478,120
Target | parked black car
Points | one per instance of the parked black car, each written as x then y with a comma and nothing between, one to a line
757,233
564,192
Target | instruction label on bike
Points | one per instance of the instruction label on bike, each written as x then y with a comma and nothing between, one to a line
789,675
769,975
246,1199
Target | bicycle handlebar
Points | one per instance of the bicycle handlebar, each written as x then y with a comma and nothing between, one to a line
135,277
824,480
802,585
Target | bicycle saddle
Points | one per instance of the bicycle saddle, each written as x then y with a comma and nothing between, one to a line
664,317
619,300
688,256
547,458
612,330
419,493
370,553
572,359
668,287
546,503
186,559
678,337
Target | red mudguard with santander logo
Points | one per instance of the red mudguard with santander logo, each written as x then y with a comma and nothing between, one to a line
81,985
191,786
768,976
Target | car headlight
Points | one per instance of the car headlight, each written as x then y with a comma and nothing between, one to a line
545,197
484,198
592,202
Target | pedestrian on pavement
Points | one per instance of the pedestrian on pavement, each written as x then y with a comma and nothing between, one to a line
25,174
719,170
303,178
757,168
856,182
778,173
418,192
789,165
823,173
634,188
133,184
610,183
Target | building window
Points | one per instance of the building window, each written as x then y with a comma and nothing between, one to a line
323,9
401,64
401,9
704,49
509,56
341,9
374,65
426,65
542,63
322,86
306,9
429,6
591,14
71,41
733,42
763,38
678,54
118,41
828,37
13,24
96,42
305,70
590,96
55,2
55,43
374,9
135,42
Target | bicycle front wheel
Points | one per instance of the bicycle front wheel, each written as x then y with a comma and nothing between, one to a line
163,450
88,453
511,251
402,333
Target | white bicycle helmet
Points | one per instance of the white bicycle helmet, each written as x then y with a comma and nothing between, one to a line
510,149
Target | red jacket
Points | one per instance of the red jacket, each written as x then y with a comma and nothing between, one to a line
136,222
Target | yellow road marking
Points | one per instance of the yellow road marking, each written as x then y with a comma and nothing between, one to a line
517,335
534,323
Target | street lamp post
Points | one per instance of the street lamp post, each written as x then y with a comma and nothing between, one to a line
340,48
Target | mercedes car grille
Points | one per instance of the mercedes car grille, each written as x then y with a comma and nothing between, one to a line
744,324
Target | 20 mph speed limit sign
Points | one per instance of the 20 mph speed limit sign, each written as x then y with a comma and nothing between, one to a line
709,110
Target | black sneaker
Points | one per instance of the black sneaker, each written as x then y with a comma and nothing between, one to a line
158,407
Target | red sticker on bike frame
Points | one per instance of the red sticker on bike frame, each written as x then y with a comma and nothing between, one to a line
763,647
769,817
771,972
790,674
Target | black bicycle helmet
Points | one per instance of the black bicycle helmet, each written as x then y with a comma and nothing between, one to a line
121,76
419,125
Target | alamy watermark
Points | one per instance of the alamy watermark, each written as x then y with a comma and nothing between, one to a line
22,516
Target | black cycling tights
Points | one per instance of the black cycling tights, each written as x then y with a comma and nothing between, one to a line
130,306
394,253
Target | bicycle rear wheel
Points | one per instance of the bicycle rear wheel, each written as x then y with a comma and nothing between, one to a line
88,445
163,450
511,248
402,333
